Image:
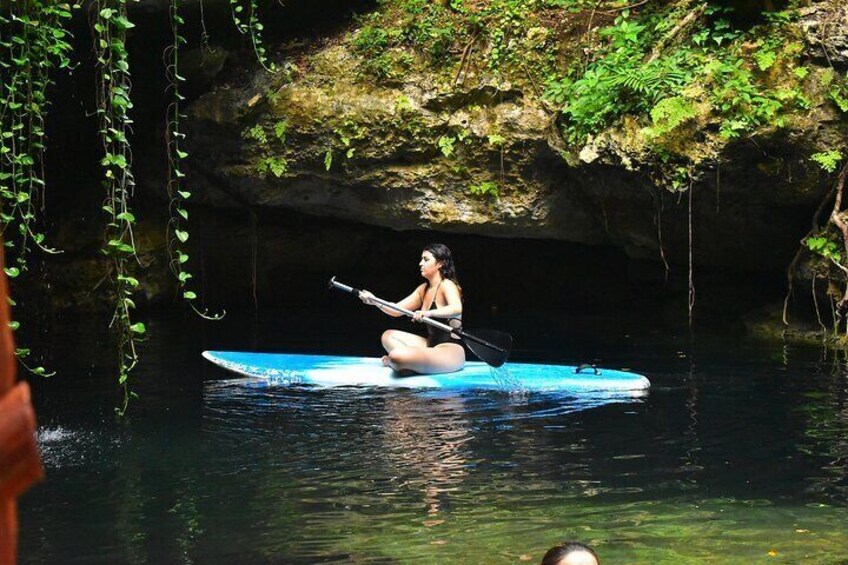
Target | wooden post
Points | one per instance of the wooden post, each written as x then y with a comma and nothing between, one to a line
20,463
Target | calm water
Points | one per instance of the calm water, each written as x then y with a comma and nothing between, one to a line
739,454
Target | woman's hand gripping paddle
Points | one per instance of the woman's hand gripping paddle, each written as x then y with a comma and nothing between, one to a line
491,346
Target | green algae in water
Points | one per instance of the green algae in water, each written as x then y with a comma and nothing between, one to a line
708,531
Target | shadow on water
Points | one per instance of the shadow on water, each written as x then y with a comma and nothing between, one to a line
739,449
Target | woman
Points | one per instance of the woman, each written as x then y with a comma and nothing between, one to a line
440,297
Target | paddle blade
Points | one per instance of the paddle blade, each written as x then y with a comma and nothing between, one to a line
491,346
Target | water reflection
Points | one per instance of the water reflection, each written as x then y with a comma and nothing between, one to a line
423,445
742,453
825,431
410,457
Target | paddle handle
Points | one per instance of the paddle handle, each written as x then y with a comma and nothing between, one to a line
392,306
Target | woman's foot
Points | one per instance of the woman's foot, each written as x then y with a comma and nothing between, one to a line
400,372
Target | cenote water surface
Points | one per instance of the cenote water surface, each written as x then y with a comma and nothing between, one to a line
738,455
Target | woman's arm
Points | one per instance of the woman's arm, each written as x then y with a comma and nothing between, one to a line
411,302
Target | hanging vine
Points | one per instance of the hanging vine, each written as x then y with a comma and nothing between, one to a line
178,194
249,24
33,43
113,104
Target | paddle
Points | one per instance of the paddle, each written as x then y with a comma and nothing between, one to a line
491,346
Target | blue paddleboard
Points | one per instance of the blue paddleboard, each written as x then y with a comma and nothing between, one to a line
336,371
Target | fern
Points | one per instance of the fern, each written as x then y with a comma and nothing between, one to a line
485,188
838,92
827,160
652,81
670,113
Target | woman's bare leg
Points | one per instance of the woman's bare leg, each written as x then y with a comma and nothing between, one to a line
444,358
395,339
392,339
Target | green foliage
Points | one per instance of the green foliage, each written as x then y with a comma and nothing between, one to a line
782,17
620,81
838,90
347,132
277,166
245,15
256,133
740,79
114,85
680,179
34,43
827,160
428,27
825,247
371,39
737,98
280,129
446,143
746,101
669,113
635,72
496,139
402,103
719,33
485,188
270,162
373,44
439,33
384,66
260,133
178,193
766,55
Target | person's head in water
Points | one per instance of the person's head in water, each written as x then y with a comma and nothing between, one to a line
571,553
443,260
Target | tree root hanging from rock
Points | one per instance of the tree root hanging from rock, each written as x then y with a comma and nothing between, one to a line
658,210
462,62
691,300
816,306
838,217
792,269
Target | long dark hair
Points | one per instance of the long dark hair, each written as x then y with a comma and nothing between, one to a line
558,552
442,254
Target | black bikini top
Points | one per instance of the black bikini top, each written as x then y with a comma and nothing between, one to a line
433,303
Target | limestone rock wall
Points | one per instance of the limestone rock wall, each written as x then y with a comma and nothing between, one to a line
483,156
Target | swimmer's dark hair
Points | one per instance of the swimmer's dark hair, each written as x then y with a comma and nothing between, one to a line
442,254
558,552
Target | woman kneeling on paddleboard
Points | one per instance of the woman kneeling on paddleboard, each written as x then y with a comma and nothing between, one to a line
439,297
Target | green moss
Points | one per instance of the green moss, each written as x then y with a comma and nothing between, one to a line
733,81
661,94
750,79
505,36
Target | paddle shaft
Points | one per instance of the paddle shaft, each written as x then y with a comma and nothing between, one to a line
410,313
